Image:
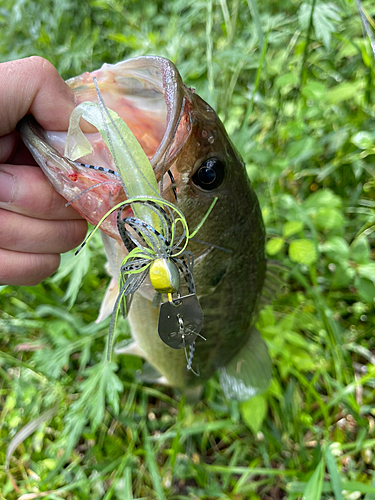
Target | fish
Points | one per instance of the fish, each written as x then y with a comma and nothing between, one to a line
194,162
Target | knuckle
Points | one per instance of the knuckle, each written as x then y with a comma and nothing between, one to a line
73,233
4,269
49,266
42,65
79,232
38,267
52,201
9,233
38,196
43,72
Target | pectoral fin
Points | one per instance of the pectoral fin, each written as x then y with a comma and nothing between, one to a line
249,372
150,375
108,301
129,348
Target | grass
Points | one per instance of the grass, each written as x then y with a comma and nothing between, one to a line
293,83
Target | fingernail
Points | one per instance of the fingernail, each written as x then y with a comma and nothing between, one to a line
7,186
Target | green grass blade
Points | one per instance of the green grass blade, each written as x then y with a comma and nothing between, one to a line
313,490
256,19
242,138
209,51
27,430
358,486
152,466
128,494
334,475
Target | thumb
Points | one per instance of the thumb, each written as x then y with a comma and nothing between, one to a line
33,85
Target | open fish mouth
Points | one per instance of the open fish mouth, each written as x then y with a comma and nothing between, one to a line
148,94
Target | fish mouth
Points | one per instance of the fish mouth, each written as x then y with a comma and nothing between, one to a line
148,94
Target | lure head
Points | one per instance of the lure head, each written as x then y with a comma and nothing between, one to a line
164,276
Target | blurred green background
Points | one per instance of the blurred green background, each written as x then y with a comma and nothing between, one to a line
293,83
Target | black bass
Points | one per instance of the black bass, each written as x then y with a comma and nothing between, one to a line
192,155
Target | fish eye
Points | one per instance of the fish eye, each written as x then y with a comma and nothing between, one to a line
210,174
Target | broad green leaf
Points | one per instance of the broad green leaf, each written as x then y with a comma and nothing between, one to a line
360,250
336,139
286,79
343,274
336,248
358,486
363,140
371,496
315,91
328,218
365,289
367,271
302,251
296,339
274,245
292,227
357,168
303,360
313,490
323,198
286,82
344,92
254,411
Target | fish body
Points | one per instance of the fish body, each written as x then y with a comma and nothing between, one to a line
181,133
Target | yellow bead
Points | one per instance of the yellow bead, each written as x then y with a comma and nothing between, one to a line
164,276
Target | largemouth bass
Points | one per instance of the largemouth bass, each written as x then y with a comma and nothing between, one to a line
193,158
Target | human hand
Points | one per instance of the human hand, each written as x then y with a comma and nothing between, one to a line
35,225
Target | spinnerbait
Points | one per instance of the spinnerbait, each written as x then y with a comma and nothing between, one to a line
161,256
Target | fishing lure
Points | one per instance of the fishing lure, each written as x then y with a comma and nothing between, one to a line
180,319
162,256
